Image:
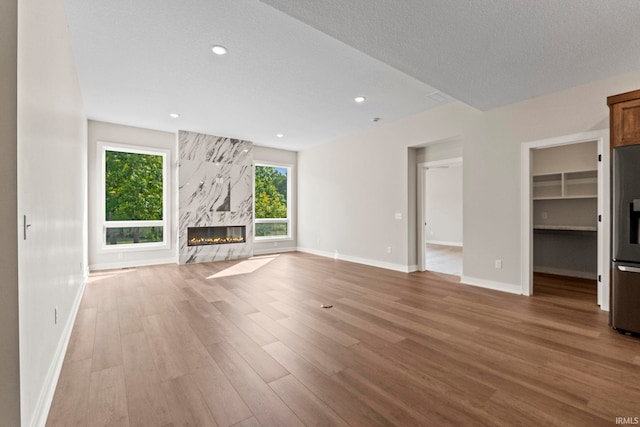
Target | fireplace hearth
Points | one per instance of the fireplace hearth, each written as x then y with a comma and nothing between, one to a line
204,236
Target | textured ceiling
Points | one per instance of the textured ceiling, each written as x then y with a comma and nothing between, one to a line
486,53
295,66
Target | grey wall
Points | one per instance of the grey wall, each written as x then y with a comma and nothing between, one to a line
9,350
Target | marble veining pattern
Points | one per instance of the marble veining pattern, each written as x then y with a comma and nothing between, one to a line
215,189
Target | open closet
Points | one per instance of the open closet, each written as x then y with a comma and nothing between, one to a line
565,210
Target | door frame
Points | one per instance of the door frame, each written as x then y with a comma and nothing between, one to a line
604,208
421,176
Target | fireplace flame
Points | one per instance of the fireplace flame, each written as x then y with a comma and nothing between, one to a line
195,241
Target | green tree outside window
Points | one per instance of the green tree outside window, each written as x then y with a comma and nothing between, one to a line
133,192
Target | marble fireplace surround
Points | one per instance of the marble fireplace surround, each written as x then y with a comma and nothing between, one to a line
215,189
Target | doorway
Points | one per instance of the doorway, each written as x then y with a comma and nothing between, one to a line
440,216
565,214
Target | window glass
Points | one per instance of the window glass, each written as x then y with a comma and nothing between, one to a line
271,201
134,197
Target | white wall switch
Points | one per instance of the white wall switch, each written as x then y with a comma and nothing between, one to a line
498,264
398,215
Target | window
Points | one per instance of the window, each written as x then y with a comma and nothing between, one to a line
272,202
135,197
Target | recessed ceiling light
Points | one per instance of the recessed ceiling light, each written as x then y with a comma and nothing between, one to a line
174,115
359,99
280,135
218,50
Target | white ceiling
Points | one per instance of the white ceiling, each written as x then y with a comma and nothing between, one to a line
295,68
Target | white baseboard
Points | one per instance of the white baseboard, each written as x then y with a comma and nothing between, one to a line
490,284
274,250
444,243
129,264
365,261
45,399
413,268
565,272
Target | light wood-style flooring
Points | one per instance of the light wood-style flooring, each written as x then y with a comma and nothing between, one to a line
246,343
444,259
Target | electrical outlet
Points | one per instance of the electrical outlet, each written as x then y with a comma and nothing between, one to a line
389,249
499,264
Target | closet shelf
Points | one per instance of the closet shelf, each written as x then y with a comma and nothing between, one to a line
567,227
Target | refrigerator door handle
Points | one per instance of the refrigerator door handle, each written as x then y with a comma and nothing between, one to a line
628,269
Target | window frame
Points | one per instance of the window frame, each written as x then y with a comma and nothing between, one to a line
288,220
164,223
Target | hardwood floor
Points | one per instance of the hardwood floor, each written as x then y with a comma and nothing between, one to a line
444,259
246,343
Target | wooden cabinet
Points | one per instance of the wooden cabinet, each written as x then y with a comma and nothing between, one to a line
624,116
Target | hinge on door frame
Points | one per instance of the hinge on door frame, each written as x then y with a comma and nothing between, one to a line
599,277
599,218
599,157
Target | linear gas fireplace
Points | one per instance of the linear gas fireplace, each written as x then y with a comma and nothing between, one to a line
199,236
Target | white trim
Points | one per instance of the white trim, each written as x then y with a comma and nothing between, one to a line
443,243
490,284
565,272
165,223
130,264
290,203
358,260
604,227
45,399
526,206
275,250
421,169
421,174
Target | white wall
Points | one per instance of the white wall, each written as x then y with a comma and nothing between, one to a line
9,350
280,157
114,133
443,150
349,189
443,205
52,174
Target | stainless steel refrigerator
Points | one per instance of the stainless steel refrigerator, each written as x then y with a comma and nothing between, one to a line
625,285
